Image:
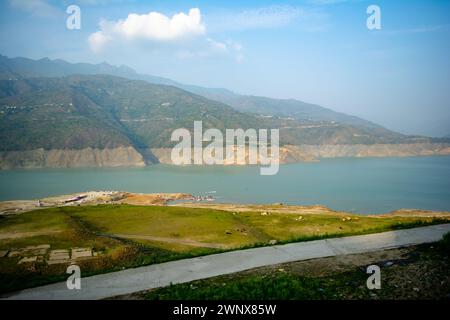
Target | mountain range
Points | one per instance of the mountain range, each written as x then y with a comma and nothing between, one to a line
20,68
50,105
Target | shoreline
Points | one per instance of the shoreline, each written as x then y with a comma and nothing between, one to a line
92,198
129,156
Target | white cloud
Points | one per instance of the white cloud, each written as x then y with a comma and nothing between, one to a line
211,48
256,18
237,50
98,41
153,26
35,7
267,18
182,34
216,45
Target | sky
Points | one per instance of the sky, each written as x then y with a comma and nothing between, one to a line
317,51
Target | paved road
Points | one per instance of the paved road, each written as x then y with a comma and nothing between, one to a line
159,275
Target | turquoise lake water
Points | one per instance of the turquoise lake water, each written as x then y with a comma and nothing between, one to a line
369,185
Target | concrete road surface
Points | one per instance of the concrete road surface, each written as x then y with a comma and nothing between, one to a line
160,275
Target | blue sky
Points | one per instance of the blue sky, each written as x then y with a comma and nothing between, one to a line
318,51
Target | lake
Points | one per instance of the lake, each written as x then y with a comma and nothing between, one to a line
366,185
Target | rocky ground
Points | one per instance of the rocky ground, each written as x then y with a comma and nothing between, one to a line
120,197
90,198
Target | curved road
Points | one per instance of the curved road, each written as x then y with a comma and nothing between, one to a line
159,275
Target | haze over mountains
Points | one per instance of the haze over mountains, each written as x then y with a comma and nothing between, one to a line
19,68
54,113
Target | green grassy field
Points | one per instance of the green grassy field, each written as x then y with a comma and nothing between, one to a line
127,236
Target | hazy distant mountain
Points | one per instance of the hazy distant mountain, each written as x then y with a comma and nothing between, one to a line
283,108
18,68
103,111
